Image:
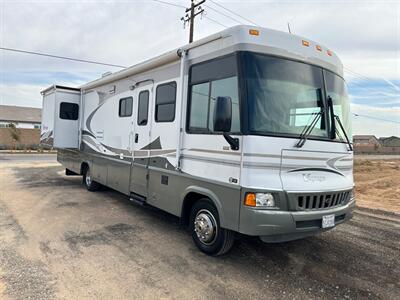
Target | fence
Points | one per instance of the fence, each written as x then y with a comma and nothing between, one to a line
28,139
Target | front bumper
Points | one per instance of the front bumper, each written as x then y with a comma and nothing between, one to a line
279,226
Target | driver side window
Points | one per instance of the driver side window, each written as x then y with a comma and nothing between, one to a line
217,78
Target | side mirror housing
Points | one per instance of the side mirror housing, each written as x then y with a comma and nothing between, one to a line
223,114
223,120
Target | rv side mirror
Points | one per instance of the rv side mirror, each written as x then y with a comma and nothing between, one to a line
223,120
223,114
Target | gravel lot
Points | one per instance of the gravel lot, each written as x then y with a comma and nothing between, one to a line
59,241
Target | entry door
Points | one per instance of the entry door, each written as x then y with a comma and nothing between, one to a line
141,139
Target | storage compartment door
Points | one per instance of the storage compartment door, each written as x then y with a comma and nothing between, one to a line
66,120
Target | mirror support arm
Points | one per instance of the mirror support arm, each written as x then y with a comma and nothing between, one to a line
233,142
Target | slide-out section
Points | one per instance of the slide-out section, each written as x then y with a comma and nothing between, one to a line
60,117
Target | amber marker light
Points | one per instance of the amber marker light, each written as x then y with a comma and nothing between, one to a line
254,32
250,200
305,43
319,48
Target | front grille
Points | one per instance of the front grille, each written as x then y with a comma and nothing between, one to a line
321,201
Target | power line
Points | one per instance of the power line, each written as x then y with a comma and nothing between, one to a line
169,3
234,13
225,15
216,22
61,57
375,118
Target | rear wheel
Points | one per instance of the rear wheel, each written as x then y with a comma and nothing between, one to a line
207,233
88,181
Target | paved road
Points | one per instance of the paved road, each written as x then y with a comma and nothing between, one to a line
27,157
58,240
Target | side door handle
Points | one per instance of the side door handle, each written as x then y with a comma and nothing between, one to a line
136,137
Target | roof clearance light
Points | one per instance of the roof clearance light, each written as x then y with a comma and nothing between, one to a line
330,53
254,32
305,43
319,48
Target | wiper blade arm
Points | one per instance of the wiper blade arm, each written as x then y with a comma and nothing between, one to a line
308,129
334,130
344,131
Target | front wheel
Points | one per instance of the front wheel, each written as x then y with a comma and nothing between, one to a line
207,233
88,181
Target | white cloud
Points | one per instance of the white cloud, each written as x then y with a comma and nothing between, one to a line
27,95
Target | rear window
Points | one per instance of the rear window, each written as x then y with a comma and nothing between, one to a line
69,111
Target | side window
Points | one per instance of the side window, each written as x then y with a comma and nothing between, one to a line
143,108
217,78
125,107
165,102
69,111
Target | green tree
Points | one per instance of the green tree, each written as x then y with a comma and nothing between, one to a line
15,134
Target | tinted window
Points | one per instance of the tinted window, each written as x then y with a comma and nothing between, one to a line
165,102
125,107
214,69
220,81
69,111
143,108
284,96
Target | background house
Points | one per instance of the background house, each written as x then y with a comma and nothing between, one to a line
25,134
369,144
21,117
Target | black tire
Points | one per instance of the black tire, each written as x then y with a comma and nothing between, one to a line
89,183
215,241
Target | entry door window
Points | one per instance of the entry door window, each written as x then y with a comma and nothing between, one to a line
143,108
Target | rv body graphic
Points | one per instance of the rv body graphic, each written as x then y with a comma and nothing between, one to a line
233,133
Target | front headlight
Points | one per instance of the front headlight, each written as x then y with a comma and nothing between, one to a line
259,200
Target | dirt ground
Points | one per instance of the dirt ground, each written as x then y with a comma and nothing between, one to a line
59,241
378,183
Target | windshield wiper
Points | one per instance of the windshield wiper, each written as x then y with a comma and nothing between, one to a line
308,129
334,131
344,132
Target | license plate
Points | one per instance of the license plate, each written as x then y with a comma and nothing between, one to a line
328,221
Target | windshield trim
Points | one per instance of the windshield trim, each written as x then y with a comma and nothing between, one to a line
244,101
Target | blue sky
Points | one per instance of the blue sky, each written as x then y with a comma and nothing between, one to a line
365,35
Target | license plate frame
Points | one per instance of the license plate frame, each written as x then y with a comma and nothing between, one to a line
328,221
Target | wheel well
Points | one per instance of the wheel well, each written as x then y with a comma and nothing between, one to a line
190,199
84,166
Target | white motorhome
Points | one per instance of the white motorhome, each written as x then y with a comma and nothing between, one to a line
244,131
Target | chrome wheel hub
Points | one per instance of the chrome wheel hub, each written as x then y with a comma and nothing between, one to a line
205,227
88,178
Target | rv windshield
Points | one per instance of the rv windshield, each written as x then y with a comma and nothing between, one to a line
284,96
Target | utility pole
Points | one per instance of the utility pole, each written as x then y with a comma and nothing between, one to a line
195,10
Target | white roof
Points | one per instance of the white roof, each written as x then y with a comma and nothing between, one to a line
267,40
